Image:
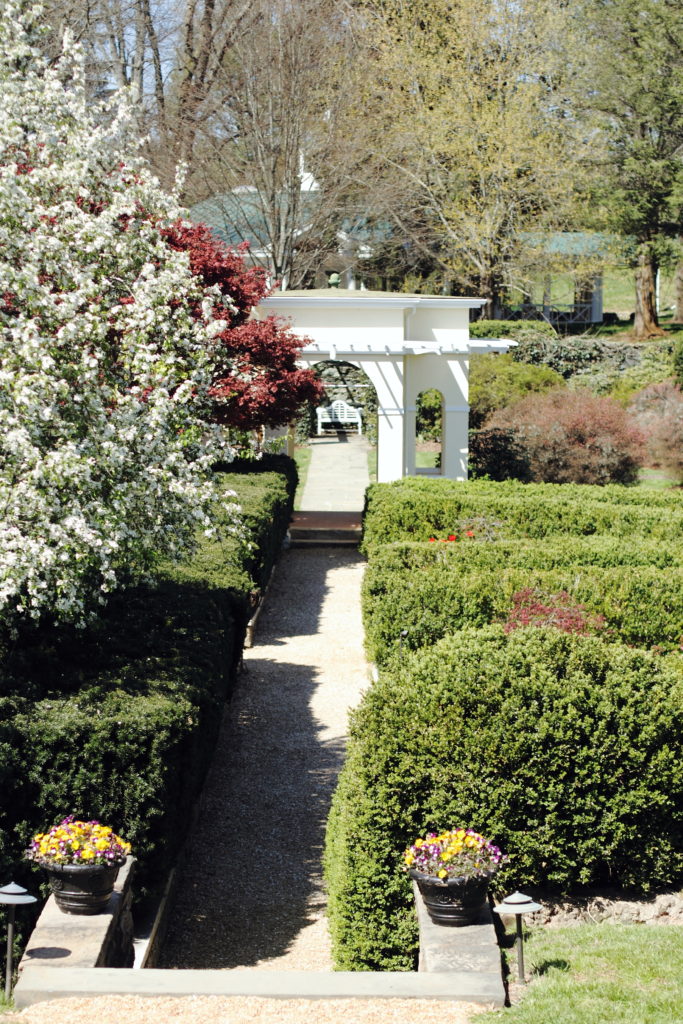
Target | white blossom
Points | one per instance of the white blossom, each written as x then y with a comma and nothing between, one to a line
103,366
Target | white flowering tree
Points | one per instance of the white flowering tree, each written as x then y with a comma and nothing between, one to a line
104,351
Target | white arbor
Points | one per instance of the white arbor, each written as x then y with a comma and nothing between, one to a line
406,344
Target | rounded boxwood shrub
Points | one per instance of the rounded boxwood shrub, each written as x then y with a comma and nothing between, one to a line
565,751
118,721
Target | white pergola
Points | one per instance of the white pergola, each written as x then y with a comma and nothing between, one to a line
405,344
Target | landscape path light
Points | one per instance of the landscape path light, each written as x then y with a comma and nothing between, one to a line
402,637
11,896
518,904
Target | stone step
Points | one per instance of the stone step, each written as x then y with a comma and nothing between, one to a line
318,538
325,528
40,983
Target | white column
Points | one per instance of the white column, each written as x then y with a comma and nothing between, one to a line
596,300
455,442
456,415
410,425
386,373
389,444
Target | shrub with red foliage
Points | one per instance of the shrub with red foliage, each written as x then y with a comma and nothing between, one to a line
574,437
256,379
531,607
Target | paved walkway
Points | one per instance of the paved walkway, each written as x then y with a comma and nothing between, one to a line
338,474
251,893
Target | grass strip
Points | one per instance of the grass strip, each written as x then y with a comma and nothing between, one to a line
599,974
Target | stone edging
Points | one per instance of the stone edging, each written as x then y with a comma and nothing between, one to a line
41,983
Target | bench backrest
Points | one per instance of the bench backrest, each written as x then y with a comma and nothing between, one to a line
340,410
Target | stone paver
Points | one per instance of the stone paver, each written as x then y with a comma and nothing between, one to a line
338,474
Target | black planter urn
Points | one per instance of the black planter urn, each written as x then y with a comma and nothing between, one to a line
453,902
82,888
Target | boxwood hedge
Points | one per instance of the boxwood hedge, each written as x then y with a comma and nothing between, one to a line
414,509
641,605
118,722
553,552
614,494
564,750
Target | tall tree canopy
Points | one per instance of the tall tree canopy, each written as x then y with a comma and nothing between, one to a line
104,367
478,127
632,86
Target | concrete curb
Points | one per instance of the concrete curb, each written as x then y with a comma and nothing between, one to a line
39,983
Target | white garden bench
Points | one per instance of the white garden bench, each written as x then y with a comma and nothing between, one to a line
338,414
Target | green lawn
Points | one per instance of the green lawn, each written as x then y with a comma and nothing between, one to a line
425,460
618,292
598,974
302,457
657,478
372,465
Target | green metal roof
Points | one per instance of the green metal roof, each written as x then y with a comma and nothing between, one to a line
571,243
239,216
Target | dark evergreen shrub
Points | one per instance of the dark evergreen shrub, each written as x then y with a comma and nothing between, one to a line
518,330
118,721
565,355
498,455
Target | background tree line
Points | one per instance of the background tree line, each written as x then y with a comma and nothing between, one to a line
457,133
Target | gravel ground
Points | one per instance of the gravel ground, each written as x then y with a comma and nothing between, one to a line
216,1010
250,892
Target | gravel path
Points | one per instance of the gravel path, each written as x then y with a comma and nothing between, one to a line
251,891
216,1010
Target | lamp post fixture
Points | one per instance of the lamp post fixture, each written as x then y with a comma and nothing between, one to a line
11,896
518,904
402,637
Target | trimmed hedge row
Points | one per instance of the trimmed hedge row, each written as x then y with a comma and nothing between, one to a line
565,751
642,606
614,494
553,553
412,510
119,722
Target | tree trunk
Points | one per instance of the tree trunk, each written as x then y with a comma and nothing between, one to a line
678,285
645,324
491,289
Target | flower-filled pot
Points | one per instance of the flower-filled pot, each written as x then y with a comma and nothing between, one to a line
453,901
453,870
82,859
82,888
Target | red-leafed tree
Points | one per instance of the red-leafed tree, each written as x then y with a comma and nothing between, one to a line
256,380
